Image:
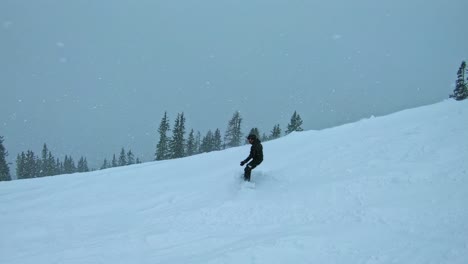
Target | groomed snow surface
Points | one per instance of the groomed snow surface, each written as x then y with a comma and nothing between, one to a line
391,189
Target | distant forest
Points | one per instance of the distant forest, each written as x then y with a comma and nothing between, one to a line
173,143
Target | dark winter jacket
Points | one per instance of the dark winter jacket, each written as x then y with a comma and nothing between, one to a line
256,152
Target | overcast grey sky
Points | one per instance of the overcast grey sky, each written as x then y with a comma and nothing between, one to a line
89,77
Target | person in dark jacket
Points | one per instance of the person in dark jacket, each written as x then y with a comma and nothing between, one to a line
256,155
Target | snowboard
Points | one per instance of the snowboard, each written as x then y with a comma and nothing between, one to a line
246,184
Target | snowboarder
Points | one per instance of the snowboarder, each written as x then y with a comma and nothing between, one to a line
256,154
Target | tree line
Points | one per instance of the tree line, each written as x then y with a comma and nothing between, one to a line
178,145
30,165
125,159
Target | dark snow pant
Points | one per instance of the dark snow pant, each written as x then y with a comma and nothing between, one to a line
248,169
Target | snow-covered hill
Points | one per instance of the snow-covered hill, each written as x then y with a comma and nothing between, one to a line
391,189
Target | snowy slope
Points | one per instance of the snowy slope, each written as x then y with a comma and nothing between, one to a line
392,189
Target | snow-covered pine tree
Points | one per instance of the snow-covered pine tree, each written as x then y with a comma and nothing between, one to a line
66,165
198,140
217,141
51,169
105,164
58,167
114,162
130,158
47,162
295,123
30,165
44,160
190,150
69,165
122,158
207,142
85,165
233,135
461,86
25,165
37,166
177,143
162,148
82,165
4,169
276,132
20,165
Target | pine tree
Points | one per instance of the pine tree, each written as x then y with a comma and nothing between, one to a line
69,165
162,148
72,165
276,132
177,143
122,158
207,142
295,124
130,158
105,164
198,143
82,165
114,162
58,167
85,165
37,167
138,161
461,87
190,144
233,135
44,160
51,169
31,165
4,169
66,165
217,141
47,162
27,165
20,166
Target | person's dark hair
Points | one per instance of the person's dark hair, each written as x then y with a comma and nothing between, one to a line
252,136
